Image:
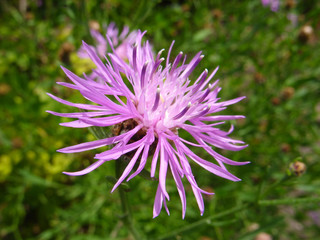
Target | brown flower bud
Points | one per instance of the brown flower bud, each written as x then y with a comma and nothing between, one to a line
185,7
259,78
263,236
217,13
94,25
290,4
288,92
4,89
253,227
305,34
17,142
29,16
205,238
275,101
285,147
64,52
298,168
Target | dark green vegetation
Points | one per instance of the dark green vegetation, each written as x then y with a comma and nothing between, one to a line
261,55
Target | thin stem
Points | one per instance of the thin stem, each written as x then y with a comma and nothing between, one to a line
201,222
264,193
289,201
126,210
126,216
218,232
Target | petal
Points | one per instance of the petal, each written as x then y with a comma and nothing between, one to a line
221,118
105,121
163,168
219,142
188,173
142,162
211,167
149,140
78,105
86,170
96,60
75,124
232,101
128,169
199,199
180,188
81,114
157,202
159,199
103,88
99,143
121,150
171,155
155,160
191,66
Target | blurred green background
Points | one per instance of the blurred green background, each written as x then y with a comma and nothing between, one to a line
270,57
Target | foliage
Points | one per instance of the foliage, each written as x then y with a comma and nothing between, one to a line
262,55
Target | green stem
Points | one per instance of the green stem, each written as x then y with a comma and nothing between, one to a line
126,216
262,194
289,201
201,222
126,210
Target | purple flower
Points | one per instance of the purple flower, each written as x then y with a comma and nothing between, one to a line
274,4
153,102
120,41
293,18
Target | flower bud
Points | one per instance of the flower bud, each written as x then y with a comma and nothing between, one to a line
290,4
275,101
64,52
4,89
298,168
17,142
287,92
305,34
94,25
285,147
259,78
263,236
217,14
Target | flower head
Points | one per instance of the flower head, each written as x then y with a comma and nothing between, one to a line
120,41
154,101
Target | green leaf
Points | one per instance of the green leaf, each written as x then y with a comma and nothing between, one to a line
202,35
